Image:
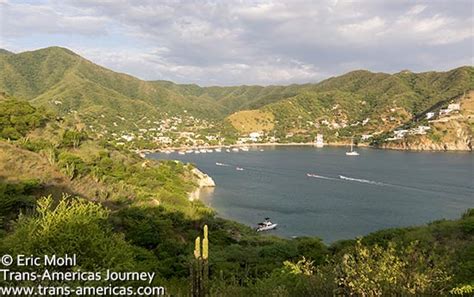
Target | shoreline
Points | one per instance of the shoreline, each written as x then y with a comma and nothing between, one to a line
183,148
269,144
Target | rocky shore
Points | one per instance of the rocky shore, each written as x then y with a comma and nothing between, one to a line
203,181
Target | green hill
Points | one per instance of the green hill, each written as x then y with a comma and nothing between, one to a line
356,103
63,81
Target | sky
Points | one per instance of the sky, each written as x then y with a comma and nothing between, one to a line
247,42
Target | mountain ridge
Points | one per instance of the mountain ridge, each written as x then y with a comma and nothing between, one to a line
69,84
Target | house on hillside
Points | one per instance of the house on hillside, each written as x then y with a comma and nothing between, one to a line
255,136
430,115
451,107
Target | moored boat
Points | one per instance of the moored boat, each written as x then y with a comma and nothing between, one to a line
266,225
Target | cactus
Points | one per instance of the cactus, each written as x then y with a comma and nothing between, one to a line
197,248
200,268
205,245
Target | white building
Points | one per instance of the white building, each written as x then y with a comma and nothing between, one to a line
454,106
255,136
366,136
420,130
430,115
319,141
451,107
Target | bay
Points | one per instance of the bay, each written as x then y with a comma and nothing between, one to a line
343,197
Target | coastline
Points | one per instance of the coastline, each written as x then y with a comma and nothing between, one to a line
180,148
269,144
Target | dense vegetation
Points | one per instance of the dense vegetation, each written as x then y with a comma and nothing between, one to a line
64,191
17,118
117,211
61,80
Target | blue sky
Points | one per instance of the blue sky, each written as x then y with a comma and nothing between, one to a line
246,42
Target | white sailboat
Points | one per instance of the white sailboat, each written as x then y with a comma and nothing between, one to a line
352,152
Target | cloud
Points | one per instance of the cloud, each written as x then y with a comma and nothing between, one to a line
248,41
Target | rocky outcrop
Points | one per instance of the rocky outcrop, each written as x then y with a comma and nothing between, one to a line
203,181
462,142
430,146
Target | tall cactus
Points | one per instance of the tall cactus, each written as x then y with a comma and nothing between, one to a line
200,267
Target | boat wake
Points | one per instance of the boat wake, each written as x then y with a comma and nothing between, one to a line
320,176
365,181
222,164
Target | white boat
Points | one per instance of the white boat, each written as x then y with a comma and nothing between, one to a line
352,152
239,168
227,150
203,151
209,150
168,152
220,164
244,148
262,150
235,149
197,152
189,151
218,150
181,153
266,225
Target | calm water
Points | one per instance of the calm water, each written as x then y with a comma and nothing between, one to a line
379,189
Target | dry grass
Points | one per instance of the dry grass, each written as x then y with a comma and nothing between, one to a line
467,104
247,121
18,164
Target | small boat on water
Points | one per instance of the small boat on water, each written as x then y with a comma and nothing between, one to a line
218,150
227,150
244,148
181,153
239,168
189,151
220,164
266,225
209,150
197,152
352,152
203,151
235,149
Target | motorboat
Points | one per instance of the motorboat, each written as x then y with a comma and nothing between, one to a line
244,148
181,153
218,150
235,149
239,168
266,225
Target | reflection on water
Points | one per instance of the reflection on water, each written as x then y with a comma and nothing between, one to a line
204,194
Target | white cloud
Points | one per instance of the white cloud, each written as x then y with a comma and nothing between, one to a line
250,41
417,9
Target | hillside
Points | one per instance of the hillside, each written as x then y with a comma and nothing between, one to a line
118,211
67,83
364,103
118,106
